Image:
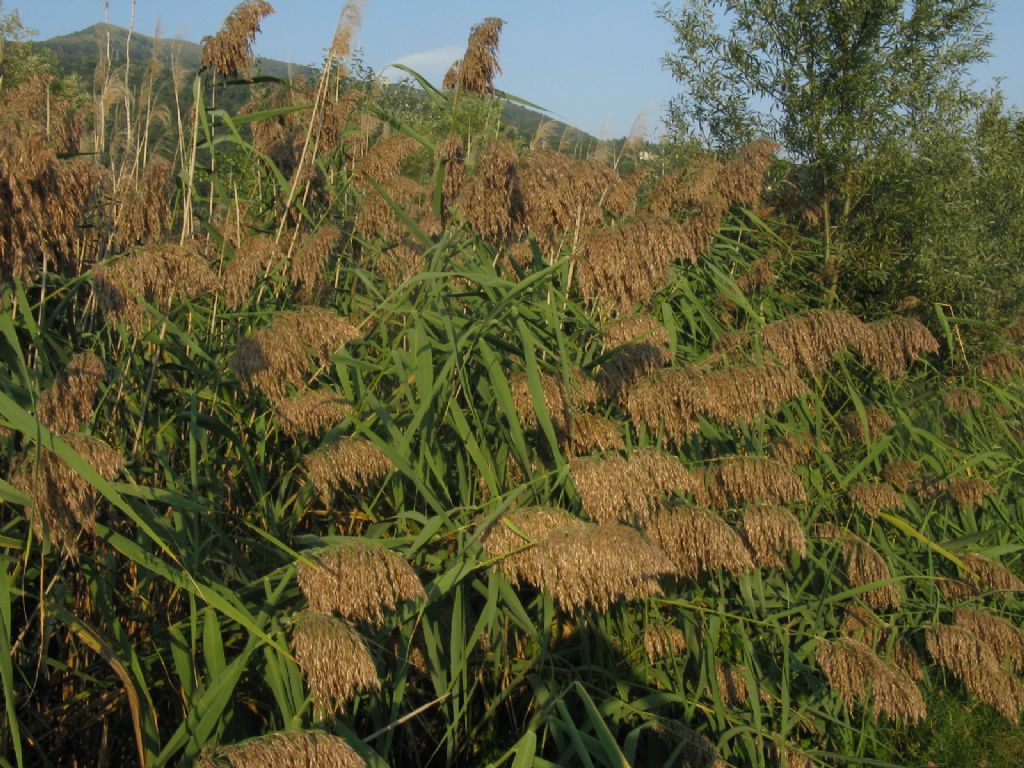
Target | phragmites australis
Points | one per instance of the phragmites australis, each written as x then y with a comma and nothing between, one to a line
853,671
770,532
352,463
892,345
674,399
144,207
590,433
975,664
229,52
476,70
968,493
961,400
795,449
617,489
384,160
349,19
810,341
333,658
1000,366
278,355
312,412
901,473
999,634
307,265
292,749
253,258
955,590
740,480
698,540
637,346
663,642
451,152
155,275
876,497
582,566
554,400
68,403
358,581
870,427
864,565
490,200
63,502
991,574
377,216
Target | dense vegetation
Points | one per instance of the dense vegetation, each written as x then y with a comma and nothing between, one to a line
343,432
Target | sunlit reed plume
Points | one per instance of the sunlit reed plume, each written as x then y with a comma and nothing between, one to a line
254,256
489,199
891,346
796,449
229,52
333,658
697,541
810,341
311,412
1000,366
969,493
67,405
991,574
384,160
352,463
961,400
144,207
476,70
863,625
349,19
741,480
864,565
876,497
663,642
307,265
451,152
1003,637
378,218
854,671
292,749
878,423
590,433
901,473
771,533
954,590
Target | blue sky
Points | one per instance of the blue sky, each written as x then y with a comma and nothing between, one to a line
594,63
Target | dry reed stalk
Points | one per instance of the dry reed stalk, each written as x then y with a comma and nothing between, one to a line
864,565
891,346
674,399
901,473
144,212
795,449
1000,635
969,493
293,749
961,400
155,275
307,265
333,658
1000,366
740,480
358,581
589,433
278,355
853,671
878,423
991,574
812,340
352,463
697,540
311,413
663,642
490,200
254,257
67,405
770,532
229,52
975,664
63,502
873,498
476,70
616,489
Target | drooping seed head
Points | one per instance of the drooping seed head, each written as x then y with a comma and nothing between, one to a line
876,497
229,52
975,664
292,749
770,532
697,541
68,404
663,642
333,658
741,480
352,463
854,671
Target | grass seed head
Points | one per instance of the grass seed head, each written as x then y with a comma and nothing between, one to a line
770,532
697,541
144,215
1000,366
476,70
891,346
741,480
865,565
312,412
307,265
590,433
333,658
878,423
1000,635
809,342
67,405
901,473
969,493
795,449
229,52
452,152
253,258
489,199
853,670
876,497
292,749
352,463
991,574
663,642
961,400
975,664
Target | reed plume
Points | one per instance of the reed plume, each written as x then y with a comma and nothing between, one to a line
307,265
311,413
770,532
451,154
663,642
740,480
901,473
384,160
961,400
812,340
796,449
67,405
589,433
254,257
854,671
864,565
351,463
954,590
636,328
891,346
697,541
1000,366
876,497
991,574
333,658
144,211
349,19
229,52
378,218
878,423
862,625
476,70
292,749
490,200
1000,635
969,493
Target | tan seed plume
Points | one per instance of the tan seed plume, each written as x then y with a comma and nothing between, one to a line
961,400
863,625
476,71
311,413
901,473
307,265
812,340
229,52
333,658
351,463
1000,366
873,498
590,433
864,565
741,480
489,199
67,405
954,590
253,258
795,449
853,670
891,346
697,541
451,152
969,493
999,634
292,749
878,423
770,532
991,574
143,214
663,642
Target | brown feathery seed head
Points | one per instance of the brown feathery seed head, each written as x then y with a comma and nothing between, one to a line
852,669
476,70
507,535
795,449
63,502
554,400
307,265
627,364
640,327
384,160
861,624
975,664
144,211
359,581
961,400
451,151
969,492
590,433
663,642
732,685
878,423
865,565
740,480
1003,637
954,590
810,341
278,355
771,531
351,463
1000,366
311,413
292,749
698,541
229,52
876,497
759,275
349,19
68,404
891,346
378,218
399,263
991,574
489,199
333,658
254,257
901,473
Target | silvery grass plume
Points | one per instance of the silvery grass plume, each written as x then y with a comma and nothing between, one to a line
333,658
156,275
306,268
279,355
229,52
1000,366
293,749
351,463
67,405
663,642
891,346
873,498
358,581
742,480
312,412
490,200
855,671
878,423
901,473
961,400
254,257
674,399
584,567
771,532
697,540
810,341
1006,640
975,664
990,574
864,565
144,215
617,489
476,70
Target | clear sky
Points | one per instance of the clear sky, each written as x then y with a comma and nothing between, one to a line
593,63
